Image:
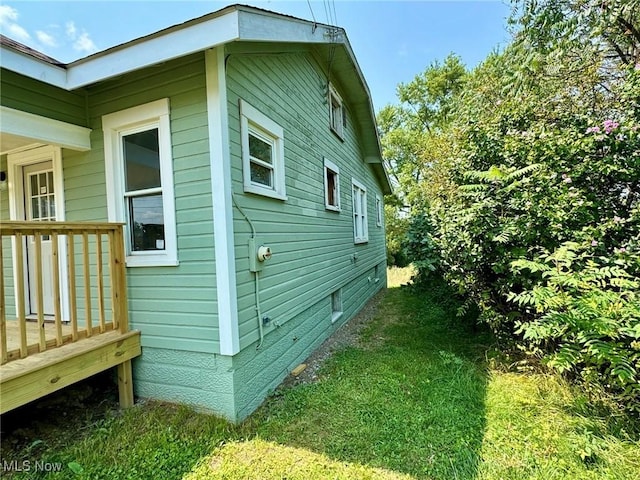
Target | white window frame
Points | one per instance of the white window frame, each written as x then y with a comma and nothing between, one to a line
337,113
336,298
254,122
379,210
114,126
360,221
329,166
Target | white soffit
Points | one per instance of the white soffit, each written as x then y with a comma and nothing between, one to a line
152,50
15,124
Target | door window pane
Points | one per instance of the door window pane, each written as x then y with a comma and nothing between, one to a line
146,218
142,160
35,208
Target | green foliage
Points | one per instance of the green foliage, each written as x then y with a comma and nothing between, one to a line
588,318
421,249
396,224
536,150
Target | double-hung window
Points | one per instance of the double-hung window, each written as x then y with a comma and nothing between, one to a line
331,186
360,229
262,153
379,211
140,182
338,117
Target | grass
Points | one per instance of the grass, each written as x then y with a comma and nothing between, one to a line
418,400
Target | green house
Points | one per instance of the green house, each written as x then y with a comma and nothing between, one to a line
240,153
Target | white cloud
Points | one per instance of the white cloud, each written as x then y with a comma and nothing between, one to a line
84,43
71,30
17,32
7,14
8,17
46,39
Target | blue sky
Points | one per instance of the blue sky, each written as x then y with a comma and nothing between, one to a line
393,40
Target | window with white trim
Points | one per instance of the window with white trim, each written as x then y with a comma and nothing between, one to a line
338,117
336,305
379,211
331,186
139,171
262,153
360,228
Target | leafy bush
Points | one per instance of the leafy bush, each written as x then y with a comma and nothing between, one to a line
524,181
587,318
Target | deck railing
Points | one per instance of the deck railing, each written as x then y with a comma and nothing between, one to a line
92,299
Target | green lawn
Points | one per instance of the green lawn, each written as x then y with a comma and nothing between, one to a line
419,399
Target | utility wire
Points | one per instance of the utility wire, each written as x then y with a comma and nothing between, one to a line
311,9
335,15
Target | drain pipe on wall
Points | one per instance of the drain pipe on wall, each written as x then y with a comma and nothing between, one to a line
256,274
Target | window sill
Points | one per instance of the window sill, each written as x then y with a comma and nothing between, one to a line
150,261
265,192
335,316
361,241
337,133
332,208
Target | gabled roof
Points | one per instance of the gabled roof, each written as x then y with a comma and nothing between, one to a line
234,24
11,43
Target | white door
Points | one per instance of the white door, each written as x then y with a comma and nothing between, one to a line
40,206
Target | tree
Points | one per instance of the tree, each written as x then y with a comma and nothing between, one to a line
530,159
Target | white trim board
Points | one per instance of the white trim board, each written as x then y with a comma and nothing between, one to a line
44,130
221,189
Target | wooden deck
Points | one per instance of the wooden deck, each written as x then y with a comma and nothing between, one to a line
45,354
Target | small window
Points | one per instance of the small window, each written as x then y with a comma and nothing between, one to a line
336,305
331,186
379,211
139,170
262,153
360,228
338,118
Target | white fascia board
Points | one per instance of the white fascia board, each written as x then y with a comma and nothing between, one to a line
32,67
260,26
44,130
221,188
150,51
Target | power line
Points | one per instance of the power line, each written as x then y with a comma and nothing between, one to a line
335,15
311,9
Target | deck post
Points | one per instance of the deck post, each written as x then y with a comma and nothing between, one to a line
125,384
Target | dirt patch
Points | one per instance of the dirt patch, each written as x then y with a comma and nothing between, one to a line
347,335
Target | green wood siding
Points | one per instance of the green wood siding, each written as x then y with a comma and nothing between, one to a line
313,248
29,95
174,307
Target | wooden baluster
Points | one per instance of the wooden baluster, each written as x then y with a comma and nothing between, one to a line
56,288
42,339
73,301
100,280
22,321
87,283
113,272
3,313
